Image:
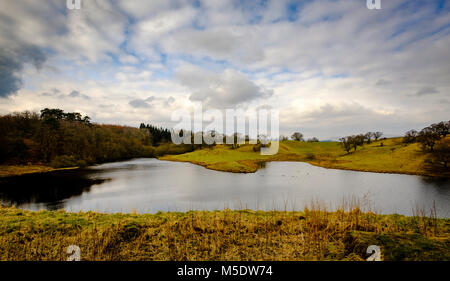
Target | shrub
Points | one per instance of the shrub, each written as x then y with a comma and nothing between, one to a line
64,161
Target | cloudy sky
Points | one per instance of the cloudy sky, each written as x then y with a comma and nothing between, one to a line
332,68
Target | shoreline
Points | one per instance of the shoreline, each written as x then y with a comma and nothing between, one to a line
7,171
393,157
256,166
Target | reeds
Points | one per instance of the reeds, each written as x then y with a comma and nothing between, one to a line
314,234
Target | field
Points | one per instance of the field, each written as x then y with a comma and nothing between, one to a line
313,234
385,156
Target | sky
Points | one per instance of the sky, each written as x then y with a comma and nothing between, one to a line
331,68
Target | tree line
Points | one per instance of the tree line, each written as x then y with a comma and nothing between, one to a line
353,142
433,140
297,136
157,135
62,139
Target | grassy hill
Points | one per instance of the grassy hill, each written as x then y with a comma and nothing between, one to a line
385,156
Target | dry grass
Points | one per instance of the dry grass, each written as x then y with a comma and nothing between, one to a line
313,234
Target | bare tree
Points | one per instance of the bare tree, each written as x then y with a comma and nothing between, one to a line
410,136
354,141
377,135
368,136
346,144
358,140
428,138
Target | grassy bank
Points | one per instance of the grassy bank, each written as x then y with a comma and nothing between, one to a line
385,156
221,235
18,170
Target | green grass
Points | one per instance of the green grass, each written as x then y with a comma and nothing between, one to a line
313,234
393,157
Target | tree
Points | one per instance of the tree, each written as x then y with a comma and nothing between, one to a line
368,137
157,135
410,136
346,144
86,120
236,140
439,158
314,139
428,138
355,141
72,116
377,135
359,140
47,113
441,128
297,136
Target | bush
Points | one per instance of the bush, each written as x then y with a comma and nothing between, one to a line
172,149
148,151
64,161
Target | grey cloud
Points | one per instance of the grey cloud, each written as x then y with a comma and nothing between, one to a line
150,99
77,94
12,61
53,92
74,94
139,103
57,93
382,82
149,102
169,101
229,88
344,111
427,90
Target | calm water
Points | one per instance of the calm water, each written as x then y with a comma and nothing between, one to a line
150,185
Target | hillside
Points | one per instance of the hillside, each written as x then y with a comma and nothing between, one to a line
384,156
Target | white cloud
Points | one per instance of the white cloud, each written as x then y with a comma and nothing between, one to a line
321,62
226,89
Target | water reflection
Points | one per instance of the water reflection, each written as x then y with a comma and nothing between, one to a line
48,189
150,185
